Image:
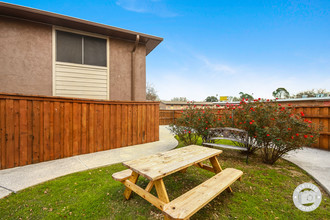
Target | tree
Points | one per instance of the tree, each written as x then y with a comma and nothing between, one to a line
312,93
179,99
245,96
211,99
281,93
151,93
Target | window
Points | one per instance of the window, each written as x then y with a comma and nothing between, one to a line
80,49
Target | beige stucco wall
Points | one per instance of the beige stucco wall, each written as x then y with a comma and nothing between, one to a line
25,57
26,62
120,70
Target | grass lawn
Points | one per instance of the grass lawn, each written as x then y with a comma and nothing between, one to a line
265,193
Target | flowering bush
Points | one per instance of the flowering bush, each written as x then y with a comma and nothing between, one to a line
275,129
195,122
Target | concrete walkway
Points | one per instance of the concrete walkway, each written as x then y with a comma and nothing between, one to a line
18,178
315,162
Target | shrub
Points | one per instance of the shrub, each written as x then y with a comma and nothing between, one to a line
276,129
195,122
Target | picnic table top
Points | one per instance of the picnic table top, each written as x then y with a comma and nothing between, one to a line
159,165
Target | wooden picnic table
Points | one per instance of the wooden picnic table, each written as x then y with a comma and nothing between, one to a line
160,165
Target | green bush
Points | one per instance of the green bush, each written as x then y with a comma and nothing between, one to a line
276,129
195,122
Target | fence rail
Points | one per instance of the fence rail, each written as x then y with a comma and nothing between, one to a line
36,128
318,114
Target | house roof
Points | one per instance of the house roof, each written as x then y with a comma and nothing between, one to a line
46,17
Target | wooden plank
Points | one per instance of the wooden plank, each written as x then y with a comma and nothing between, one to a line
122,175
76,125
144,124
133,179
157,122
62,129
315,111
139,117
46,128
91,129
149,186
161,191
100,127
51,131
41,130
162,164
124,126
16,133
144,194
129,125
324,139
57,130
23,144
29,132
10,151
113,120
3,133
106,130
118,127
67,129
36,131
84,129
135,124
189,203
148,123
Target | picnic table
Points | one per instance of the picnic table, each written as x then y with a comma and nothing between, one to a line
158,166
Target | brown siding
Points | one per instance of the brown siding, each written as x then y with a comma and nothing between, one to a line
35,129
25,57
120,70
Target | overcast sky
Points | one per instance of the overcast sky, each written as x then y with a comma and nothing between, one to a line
223,46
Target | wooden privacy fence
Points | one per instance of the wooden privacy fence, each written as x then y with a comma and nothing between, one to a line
35,129
318,114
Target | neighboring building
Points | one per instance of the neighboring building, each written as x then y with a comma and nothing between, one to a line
169,105
43,53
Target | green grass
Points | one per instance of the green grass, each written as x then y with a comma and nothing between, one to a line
265,193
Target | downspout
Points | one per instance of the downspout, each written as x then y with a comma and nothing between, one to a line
133,68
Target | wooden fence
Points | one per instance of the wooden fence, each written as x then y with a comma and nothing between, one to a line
35,129
318,114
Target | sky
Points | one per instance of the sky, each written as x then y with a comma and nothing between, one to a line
220,47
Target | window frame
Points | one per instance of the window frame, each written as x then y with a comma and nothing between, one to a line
54,61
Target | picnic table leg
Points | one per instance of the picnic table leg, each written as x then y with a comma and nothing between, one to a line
149,186
161,192
133,179
217,168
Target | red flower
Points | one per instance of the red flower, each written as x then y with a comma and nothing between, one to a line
267,135
240,123
302,114
292,137
206,128
251,122
207,122
276,98
312,136
189,132
289,129
199,119
279,104
297,134
273,119
305,136
259,98
289,104
278,139
230,117
255,136
267,100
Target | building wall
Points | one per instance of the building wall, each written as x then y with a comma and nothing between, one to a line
121,70
26,62
25,57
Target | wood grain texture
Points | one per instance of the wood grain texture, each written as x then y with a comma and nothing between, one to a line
189,203
159,165
35,128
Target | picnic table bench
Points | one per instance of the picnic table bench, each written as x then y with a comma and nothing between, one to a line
238,136
158,166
